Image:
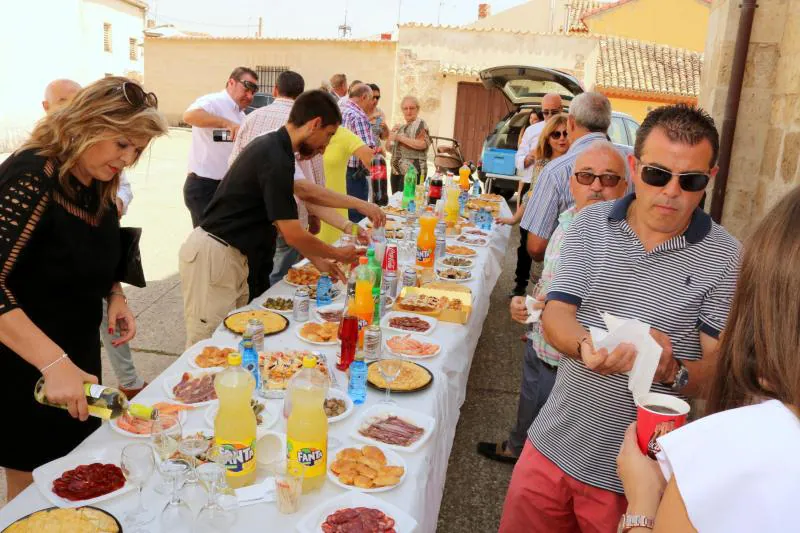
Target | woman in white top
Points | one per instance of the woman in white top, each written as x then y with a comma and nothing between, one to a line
738,470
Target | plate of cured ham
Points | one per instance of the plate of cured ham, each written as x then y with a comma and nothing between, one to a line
356,511
192,388
82,478
393,427
130,426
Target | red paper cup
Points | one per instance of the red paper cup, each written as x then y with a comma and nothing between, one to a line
656,415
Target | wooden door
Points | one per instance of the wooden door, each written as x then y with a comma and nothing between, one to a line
477,112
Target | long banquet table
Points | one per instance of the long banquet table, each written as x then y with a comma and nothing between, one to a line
421,492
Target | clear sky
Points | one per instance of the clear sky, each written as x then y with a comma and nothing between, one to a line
313,18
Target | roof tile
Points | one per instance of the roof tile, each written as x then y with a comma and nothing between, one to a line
632,65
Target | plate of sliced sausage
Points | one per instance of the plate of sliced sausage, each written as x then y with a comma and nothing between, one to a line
357,512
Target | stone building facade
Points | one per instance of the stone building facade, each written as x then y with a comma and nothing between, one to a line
766,147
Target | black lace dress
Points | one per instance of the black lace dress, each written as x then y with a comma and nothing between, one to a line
57,261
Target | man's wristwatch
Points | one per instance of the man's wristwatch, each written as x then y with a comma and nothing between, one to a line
681,377
629,521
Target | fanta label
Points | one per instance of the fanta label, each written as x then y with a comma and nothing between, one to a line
240,457
309,457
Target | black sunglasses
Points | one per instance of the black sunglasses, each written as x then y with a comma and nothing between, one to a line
249,86
376,98
660,177
136,96
548,112
584,177
556,135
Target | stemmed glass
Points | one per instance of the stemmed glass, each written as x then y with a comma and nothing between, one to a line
212,518
389,369
176,517
165,433
226,496
193,445
137,464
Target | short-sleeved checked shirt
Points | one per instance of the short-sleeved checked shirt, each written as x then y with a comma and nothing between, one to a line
552,256
682,287
261,121
551,194
355,120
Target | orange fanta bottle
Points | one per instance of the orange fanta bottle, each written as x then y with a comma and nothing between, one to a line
426,241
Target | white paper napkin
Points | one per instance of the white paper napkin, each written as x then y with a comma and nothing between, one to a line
648,351
533,314
262,492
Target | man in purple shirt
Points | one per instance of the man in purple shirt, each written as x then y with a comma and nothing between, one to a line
355,119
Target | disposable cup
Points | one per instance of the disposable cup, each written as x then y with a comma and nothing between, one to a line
652,424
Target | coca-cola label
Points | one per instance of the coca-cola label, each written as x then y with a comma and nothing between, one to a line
390,258
378,172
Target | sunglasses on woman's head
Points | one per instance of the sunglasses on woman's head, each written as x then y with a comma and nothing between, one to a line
660,177
556,135
136,96
584,177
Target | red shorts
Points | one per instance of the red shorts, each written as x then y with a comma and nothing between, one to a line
542,498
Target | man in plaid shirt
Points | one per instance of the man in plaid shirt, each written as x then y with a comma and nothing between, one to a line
356,119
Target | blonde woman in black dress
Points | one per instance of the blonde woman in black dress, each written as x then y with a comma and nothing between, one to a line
59,252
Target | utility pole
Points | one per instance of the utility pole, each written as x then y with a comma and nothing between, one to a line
345,30
260,27
439,13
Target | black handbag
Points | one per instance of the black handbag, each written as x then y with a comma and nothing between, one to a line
129,269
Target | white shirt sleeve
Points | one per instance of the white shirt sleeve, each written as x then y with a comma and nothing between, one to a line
124,192
205,102
529,140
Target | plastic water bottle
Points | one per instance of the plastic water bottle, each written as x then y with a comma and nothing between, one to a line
476,187
324,290
441,240
412,206
357,386
250,361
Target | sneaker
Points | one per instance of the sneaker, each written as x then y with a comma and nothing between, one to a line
131,393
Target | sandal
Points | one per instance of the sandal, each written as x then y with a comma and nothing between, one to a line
494,451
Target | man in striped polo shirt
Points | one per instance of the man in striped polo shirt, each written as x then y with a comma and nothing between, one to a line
599,177
652,255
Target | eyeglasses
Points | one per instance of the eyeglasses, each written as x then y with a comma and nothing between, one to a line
556,135
136,96
660,177
551,112
585,177
249,86
376,98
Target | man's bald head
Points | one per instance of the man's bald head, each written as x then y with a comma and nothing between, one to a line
59,92
600,158
551,105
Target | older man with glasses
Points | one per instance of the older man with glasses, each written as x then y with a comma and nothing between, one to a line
208,156
653,255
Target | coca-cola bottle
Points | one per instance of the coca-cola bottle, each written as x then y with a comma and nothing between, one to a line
380,193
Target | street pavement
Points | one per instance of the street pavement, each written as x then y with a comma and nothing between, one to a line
475,487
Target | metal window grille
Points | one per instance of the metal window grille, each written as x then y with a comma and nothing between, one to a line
268,77
106,37
134,49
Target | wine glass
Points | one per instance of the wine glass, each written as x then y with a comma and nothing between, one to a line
389,369
164,435
176,517
212,518
225,495
193,445
137,464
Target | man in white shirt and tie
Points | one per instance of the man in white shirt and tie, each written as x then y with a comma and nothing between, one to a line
208,159
525,158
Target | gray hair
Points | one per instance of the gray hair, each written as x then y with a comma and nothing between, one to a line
359,90
591,111
603,146
409,98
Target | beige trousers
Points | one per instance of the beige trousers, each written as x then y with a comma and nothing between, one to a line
213,283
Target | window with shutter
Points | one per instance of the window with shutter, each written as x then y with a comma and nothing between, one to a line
134,50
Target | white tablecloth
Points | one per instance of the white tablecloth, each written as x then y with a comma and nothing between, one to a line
420,494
